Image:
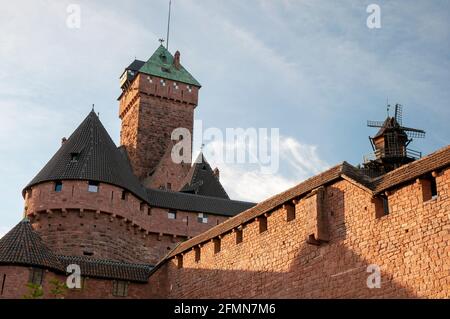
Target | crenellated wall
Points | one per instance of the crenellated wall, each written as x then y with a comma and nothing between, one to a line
410,245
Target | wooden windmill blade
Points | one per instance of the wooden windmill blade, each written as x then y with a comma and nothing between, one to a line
413,132
375,123
398,114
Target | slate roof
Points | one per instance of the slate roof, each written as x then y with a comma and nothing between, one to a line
161,64
108,269
201,180
196,203
406,173
135,65
99,159
23,246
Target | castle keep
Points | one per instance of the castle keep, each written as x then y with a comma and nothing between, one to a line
140,225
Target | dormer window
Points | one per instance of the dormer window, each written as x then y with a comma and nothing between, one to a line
166,70
74,157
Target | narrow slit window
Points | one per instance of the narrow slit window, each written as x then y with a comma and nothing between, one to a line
433,187
239,236
262,224
217,244
180,261
3,285
197,254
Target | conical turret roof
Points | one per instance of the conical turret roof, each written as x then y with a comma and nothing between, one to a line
202,181
23,246
90,154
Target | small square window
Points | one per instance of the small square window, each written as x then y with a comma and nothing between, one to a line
58,186
202,218
163,83
149,79
93,187
124,195
188,87
172,214
120,288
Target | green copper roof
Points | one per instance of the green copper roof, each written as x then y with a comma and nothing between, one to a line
161,64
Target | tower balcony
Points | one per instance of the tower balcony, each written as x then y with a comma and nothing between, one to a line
392,154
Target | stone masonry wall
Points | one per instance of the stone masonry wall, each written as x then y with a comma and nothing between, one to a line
16,279
150,111
77,222
410,246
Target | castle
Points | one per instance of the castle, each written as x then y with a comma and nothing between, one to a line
140,225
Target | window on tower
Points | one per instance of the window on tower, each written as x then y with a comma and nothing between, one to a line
93,187
163,82
172,214
189,88
58,186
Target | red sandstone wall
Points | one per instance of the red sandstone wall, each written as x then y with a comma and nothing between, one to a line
410,245
75,221
149,113
17,278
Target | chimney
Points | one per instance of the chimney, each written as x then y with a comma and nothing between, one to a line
216,173
63,140
176,60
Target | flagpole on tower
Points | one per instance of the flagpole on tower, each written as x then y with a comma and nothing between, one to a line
168,26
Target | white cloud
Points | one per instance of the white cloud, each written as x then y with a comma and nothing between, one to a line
246,182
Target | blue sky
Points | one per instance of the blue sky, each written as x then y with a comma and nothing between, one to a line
310,68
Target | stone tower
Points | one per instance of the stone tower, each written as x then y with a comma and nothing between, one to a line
157,97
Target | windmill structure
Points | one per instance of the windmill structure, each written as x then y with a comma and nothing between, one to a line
390,144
